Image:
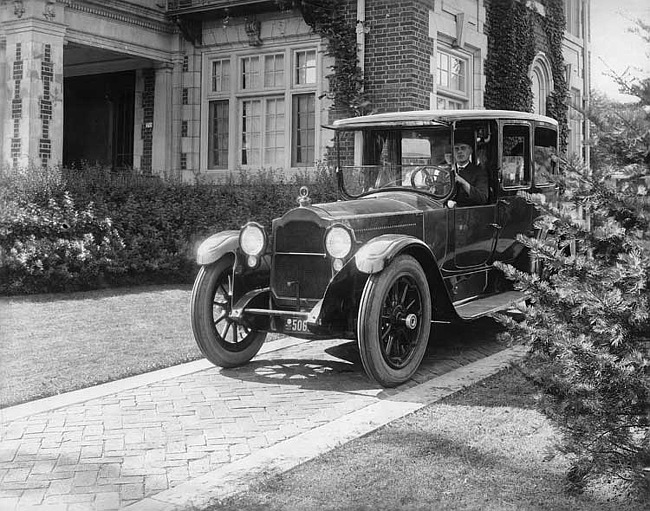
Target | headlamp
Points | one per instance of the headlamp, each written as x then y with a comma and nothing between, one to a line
252,239
338,242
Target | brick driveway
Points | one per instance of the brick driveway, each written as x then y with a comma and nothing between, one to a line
112,451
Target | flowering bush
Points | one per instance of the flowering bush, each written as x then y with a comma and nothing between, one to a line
56,247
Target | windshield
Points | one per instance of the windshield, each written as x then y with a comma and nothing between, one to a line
418,159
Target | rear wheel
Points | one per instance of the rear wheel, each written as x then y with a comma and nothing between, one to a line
394,322
223,342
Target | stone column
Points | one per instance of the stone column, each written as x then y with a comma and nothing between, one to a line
33,108
161,157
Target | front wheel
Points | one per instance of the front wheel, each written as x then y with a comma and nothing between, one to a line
394,322
223,342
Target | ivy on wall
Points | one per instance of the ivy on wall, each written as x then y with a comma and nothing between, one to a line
511,49
327,18
512,46
557,102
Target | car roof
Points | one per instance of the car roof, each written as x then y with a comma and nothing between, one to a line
434,118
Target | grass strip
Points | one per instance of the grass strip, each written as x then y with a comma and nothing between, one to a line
485,448
57,343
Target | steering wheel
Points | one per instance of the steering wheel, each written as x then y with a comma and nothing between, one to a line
431,178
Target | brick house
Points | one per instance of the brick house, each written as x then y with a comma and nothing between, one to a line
210,86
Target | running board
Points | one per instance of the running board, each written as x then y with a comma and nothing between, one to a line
483,306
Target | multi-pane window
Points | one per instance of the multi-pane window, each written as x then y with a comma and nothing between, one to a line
452,72
304,130
218,134
305,67
274,71
575,121
250,73
452,81
220,75
573,14
449,104
251,131
274,132
262,109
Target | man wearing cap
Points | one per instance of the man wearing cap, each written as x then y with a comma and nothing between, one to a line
472,180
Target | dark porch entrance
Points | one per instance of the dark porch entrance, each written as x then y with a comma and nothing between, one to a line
99,120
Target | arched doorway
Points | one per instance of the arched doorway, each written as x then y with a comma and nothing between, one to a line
542,82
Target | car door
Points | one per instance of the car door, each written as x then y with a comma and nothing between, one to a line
474,236
515,210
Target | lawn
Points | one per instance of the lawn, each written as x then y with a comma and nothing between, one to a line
484,448
58,343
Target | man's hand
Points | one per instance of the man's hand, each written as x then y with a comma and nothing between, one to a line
462,182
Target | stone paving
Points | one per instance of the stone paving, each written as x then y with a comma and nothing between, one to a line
113,451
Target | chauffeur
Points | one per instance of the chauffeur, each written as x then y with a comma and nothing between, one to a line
472,180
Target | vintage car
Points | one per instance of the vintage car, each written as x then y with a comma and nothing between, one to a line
397,255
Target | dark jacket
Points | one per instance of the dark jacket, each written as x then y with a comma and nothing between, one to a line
478,186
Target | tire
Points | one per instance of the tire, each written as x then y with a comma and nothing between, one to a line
222,341
394,322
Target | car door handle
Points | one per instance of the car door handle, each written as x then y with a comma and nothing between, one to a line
496,226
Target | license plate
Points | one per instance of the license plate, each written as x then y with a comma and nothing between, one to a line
295,325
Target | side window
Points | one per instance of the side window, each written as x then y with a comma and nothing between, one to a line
545,156
515,159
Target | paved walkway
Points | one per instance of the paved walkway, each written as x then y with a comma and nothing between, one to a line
176,438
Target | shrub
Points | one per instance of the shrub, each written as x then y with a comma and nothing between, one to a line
55,248
143,228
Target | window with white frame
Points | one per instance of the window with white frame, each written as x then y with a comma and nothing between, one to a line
303,133
218,118
220,75
575,122
573,15
305,67
452,80
266,114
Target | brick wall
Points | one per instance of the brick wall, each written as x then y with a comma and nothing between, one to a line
398,51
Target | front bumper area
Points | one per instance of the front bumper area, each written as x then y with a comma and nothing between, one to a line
253,310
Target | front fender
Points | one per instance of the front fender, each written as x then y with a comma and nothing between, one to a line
216,246
375,255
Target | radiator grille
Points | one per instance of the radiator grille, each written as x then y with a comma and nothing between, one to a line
304,237
300,257
312,272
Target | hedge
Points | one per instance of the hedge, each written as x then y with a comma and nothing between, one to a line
78,229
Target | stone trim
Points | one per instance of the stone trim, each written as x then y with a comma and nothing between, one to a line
45,104
17,105
146,131
122,17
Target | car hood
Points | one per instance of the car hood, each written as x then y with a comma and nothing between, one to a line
377,204
369,216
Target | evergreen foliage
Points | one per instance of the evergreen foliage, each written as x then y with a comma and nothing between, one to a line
587,322
588,328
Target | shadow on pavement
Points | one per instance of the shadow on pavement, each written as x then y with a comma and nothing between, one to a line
450,347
